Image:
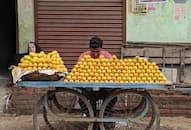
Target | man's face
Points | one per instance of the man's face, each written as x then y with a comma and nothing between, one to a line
95,52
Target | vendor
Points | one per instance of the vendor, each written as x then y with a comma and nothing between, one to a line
32,47
96,49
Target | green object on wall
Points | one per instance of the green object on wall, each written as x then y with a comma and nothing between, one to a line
25,23
160,23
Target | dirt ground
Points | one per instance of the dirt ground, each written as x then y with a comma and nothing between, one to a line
11,122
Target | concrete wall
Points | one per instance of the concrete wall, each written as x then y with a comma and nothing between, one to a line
25,23
158,25
161,23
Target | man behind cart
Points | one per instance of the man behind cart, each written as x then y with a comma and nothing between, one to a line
96,96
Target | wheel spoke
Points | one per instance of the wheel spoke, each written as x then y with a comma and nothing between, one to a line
130,111
61,110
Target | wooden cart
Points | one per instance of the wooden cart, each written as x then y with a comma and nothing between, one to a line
66,107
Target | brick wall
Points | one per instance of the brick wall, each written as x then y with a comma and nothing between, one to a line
23,100
171,103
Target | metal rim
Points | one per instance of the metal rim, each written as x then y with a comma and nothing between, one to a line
155,115
46,109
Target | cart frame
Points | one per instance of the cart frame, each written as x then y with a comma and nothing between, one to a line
100,118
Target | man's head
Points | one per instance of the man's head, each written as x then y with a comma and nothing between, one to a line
95,46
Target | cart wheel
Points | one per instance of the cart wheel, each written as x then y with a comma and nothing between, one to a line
62,111
129,109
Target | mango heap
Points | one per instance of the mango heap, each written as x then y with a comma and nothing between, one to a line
42,61
114,70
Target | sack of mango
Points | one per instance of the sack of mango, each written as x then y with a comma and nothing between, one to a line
40,67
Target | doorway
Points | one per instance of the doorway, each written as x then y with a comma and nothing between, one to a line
7,34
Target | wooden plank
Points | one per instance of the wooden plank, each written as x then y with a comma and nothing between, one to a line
148,52
116,17
157,60
167,60
160,61
78,21
153,52
171,60
81,4
172,51
47,8
81,12
78,37
77,25
188,53
187,74
187,60
175,52
133,52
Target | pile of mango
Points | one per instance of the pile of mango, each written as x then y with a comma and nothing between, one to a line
42,61
114,70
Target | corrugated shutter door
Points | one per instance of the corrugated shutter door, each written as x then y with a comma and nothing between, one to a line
67,26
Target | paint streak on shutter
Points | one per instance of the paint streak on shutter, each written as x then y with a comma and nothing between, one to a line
67,26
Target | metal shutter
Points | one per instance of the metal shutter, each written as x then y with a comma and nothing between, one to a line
67,26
